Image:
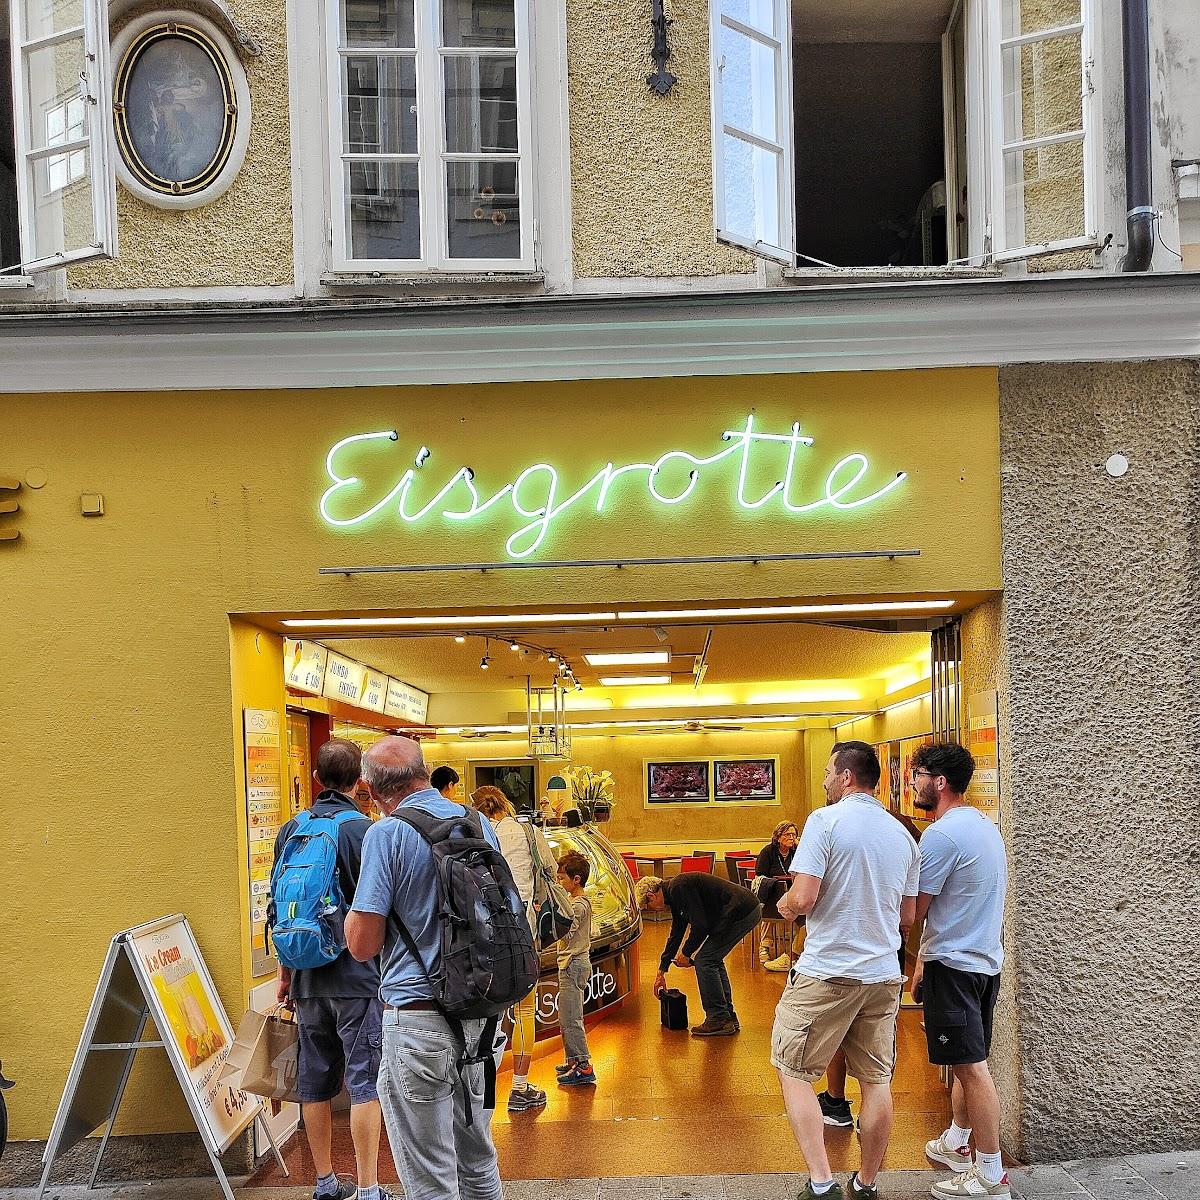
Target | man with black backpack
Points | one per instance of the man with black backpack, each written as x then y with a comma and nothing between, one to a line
336,998
437,898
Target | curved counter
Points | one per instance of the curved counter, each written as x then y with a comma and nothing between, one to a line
616,926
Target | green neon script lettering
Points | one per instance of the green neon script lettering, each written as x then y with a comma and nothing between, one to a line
534,494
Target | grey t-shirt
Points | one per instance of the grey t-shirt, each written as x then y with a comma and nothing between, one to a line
964,869
867,862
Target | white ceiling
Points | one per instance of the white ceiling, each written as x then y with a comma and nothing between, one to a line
869,20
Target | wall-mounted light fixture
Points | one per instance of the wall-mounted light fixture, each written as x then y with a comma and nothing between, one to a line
660,79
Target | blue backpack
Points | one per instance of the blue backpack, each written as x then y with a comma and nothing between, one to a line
306,915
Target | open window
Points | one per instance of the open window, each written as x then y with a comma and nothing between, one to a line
1044,173
57,187
953,133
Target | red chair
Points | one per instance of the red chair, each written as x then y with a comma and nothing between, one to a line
733,857
695,862
711,855
630,861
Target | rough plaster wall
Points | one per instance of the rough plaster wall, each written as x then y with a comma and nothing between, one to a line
244,237
1102,606
641,164
984,669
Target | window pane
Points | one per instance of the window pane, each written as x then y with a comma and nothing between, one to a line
751,191
44,17
481,105
381,104
748,84
1043,194
1043,88
62,202
483,210
383,210
1030,16
758,14
478,23
378,23
54,88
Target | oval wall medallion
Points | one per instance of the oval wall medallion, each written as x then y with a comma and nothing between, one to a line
181,110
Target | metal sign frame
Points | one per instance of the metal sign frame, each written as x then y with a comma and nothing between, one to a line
108,1002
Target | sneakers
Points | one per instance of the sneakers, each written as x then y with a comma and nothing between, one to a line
564,1068
939,1151
834,1193
836,1112
580,1075
782,963
864,1191
715,1028
970,1183
523,1099
345,1191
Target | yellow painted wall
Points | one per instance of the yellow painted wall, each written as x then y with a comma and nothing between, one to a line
245,236
120,724
641,164
632,820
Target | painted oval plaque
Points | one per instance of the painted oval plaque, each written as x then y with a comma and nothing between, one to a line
175,109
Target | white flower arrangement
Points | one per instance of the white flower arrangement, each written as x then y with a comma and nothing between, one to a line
588,786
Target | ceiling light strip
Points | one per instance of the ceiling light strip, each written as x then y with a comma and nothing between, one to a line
560,564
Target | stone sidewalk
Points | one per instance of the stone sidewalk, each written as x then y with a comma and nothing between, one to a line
1135,1177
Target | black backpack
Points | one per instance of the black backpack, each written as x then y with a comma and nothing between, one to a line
486,958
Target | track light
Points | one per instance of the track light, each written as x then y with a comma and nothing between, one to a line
514,646
485,661
459,639
552,658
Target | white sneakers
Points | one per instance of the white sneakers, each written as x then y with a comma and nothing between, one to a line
970,1183
939,1151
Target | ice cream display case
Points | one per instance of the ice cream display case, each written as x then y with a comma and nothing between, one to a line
616,926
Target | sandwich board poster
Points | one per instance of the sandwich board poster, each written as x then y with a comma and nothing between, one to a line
191,1019
153,972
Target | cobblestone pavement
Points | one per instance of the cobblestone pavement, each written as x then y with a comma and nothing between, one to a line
1136,1177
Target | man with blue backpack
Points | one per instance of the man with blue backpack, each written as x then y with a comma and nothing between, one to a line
318,855
438,899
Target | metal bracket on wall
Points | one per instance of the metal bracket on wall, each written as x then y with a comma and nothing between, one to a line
215,10
7,533
660,79
701,559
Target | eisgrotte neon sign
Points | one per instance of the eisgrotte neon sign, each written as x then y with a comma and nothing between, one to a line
537,499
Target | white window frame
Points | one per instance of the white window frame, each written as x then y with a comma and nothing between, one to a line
96,92
1087,133
431,154
781,47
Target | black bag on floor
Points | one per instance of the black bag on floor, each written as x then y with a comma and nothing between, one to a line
673,1008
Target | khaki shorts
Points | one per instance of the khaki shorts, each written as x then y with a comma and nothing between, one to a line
816,1016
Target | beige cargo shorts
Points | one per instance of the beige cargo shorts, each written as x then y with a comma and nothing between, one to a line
816,1016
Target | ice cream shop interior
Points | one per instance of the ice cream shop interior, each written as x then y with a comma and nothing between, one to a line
654,741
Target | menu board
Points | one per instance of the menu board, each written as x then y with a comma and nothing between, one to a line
304,666
375,691
744,778
982,741
192,1021
345,679
264,817
677,781
406,702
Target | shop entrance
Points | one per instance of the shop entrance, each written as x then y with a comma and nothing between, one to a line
683,735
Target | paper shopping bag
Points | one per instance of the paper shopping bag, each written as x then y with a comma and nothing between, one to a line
265,1056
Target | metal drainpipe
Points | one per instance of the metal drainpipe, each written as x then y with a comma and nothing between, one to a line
1140,213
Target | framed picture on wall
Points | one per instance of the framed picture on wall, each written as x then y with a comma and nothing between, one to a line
678,781
745,779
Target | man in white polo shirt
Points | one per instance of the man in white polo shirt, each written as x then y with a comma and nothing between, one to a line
857,873
964,878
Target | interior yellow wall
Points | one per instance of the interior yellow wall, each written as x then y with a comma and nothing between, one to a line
117,635
624,756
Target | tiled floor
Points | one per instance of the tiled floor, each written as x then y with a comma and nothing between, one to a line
668,1104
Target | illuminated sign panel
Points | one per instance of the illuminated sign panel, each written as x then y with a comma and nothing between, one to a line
536,499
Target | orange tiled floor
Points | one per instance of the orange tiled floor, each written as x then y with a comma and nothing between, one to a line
671,1104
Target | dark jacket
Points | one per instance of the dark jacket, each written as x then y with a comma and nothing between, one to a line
772,862
344,976
707,904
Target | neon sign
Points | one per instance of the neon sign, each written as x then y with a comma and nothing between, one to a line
536,496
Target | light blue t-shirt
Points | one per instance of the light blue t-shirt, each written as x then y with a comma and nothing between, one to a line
964,869
867,863
398,880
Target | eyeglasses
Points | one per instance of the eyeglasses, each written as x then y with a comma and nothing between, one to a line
922,771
